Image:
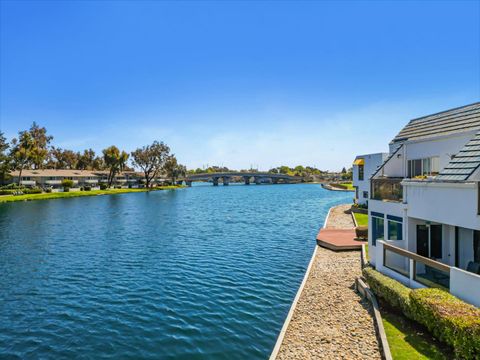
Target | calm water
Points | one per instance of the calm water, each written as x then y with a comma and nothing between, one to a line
200,273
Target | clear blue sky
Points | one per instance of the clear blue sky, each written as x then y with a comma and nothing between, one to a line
235,83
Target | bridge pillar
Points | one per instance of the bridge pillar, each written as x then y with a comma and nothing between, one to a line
188,182
247,180
179,182
226,180
215,181
258,180
274,180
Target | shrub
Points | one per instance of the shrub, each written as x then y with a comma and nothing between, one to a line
117,186
32,191
87,188
8,191
103,186
449,319
66,189
11,186
48,190
393,292
67,183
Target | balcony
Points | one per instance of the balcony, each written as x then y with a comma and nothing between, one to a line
28,182
91,181
53,182
434,201
418,271
388,189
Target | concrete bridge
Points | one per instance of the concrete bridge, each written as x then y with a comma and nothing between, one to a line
258,178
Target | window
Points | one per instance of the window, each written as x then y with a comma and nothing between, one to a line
476,246
395,227
423,167
361,172
365,194
436,241
377,227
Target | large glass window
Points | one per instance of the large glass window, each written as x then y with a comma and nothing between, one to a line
395,227
377,227
423,167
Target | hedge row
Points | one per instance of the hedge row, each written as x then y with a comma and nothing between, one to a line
448,318
393,292
20,190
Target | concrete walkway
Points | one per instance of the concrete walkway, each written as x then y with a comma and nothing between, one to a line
331,321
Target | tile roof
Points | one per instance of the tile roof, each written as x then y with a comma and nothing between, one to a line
464,164
461,119
67,173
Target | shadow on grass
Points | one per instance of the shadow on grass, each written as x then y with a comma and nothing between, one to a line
409,340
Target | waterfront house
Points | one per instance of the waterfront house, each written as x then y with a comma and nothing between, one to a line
424,206
363,168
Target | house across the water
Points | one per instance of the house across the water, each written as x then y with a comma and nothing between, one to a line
52,178
363,168
424,204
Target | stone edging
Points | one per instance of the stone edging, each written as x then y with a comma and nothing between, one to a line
354,220
363,289
283,331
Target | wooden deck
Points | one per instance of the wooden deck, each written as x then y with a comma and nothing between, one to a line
339,239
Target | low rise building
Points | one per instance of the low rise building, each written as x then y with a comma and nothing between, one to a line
52,178
424,206
363,168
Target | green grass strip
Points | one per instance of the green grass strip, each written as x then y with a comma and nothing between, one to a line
408,342
61,195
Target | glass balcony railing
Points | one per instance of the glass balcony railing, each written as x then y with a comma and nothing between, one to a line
426,271
396,262
387,189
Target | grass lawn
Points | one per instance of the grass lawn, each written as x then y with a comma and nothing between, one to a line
45,196
362,219
348,185
408,341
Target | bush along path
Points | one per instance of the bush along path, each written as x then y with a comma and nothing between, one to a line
446,317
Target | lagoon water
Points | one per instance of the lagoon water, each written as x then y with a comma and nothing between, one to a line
199,273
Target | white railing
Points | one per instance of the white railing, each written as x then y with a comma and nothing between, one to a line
28,182
53,182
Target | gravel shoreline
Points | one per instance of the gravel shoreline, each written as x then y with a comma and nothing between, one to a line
331,321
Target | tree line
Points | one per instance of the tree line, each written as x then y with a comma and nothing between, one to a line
32,149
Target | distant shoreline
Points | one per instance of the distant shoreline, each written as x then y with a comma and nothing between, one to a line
63,195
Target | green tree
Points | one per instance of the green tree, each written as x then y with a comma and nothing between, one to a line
4,159
62,159
151,159
115,161
86,160
21,152
40,142
173,169
284,170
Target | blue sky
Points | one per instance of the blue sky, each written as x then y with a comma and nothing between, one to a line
235,83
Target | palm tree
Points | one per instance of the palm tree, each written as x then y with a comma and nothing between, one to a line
115,161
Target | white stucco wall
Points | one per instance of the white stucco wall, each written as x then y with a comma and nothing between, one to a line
465,286
442,147
435,201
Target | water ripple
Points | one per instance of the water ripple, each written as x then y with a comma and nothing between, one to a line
201,273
